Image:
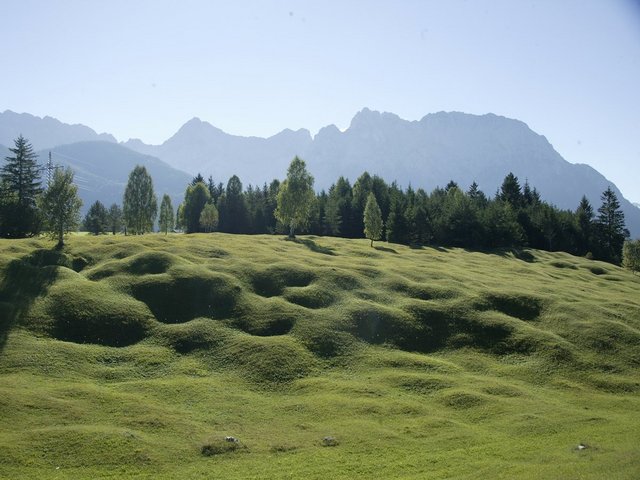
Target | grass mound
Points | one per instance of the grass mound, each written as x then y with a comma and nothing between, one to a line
518,305
272,281
119,355
83,312
185,294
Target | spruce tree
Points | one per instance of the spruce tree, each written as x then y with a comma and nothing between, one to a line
372,219
20,179
115,218
584,220
611,226
96,220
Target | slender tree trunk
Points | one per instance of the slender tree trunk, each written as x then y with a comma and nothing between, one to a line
291,232
372,242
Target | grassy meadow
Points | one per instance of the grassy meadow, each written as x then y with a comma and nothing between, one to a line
134,357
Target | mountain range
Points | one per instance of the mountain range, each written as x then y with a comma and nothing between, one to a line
424,154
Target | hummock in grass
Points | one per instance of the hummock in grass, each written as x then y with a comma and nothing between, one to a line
136,357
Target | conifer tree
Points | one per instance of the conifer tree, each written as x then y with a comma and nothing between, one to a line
96,220
115,218
372,219
20,179
611,226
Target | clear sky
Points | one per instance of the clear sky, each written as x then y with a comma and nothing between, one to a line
569,69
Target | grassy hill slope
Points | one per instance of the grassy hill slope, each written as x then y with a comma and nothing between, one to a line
131,356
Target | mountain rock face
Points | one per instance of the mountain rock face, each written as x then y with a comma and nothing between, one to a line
44,132
424,154
102,171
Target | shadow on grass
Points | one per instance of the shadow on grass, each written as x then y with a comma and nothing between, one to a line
22,281
385,249
313,246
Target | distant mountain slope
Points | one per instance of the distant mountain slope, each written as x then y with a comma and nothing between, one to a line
102,170
200,147
425,154
44,132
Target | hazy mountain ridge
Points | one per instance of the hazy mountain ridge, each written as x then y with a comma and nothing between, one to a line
423,153
46,132
102,170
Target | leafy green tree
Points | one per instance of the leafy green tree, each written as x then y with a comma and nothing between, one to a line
166,214
115,217
195,198
209,217
140,205
611,227
20,180
96,220
180,223
361,189
60,205
372,219
295,197
631,255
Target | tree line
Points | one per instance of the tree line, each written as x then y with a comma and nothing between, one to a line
516,216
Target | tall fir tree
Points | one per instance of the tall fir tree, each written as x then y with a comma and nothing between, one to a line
611,227
20,180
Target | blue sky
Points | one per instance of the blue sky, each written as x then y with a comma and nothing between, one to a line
569,69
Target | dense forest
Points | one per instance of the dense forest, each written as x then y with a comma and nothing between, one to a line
515,216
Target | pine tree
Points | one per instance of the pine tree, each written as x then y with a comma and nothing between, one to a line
96,220
584,220
20,178
166,220
140,205
60,205
372,219
115,218
611,226
510,191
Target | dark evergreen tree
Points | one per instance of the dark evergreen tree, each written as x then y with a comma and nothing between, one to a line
510,191
20,180
115,218
361,189
96,220
584,220
197,179
611,227
397,228
233,208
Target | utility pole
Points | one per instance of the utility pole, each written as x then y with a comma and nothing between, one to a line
49,169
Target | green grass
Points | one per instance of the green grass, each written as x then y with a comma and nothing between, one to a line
134,357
